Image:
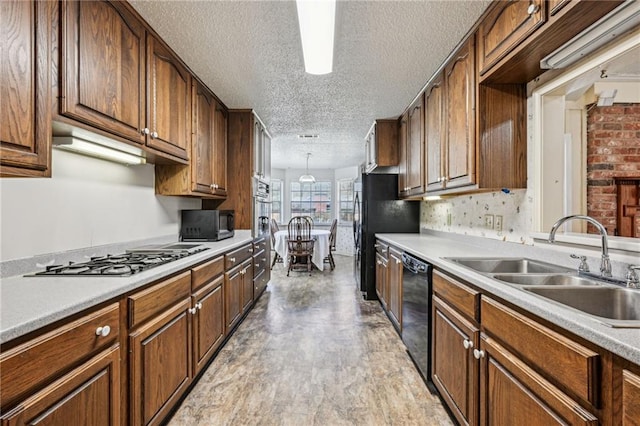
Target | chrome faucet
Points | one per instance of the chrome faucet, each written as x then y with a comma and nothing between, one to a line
605,264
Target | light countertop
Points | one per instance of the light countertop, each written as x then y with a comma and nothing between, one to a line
30,302
435,248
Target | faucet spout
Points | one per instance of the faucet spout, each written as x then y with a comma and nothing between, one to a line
605,265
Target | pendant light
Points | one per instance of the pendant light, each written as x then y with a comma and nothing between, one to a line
307,178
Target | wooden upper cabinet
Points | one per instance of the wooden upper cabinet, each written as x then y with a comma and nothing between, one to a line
505,26
460,117
25,93
434,134
168,101
414,183
381,145
402,154
103,68
219,161
204,106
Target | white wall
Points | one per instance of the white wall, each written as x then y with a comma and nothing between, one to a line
87,202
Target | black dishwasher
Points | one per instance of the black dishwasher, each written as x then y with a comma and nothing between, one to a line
416,313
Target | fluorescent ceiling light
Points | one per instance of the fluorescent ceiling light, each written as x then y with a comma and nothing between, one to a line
615,23
317,20
431,197
119,153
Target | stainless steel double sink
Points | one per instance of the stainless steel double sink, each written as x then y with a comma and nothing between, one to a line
610,304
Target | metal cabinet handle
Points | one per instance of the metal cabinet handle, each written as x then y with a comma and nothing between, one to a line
467,344
264,259
533,8
398,262
379,262
145,131
103,331
478,354
154,135
193,311
250,250
232,259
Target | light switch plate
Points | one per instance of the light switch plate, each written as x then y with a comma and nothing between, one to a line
497,223
488,221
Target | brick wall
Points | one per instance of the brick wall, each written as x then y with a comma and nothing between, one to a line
613,150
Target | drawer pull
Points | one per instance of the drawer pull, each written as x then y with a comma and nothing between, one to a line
533,8
468,344
232,259
193,311
478,354
199,306
103,331
250,250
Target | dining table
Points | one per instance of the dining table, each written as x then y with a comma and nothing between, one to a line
320,246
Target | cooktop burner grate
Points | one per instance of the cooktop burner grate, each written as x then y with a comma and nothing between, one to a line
120,265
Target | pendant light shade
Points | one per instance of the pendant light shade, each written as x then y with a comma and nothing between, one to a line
307,178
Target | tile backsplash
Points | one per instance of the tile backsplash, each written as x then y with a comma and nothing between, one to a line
465,214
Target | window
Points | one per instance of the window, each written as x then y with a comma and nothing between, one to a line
345,200
276,200
312,199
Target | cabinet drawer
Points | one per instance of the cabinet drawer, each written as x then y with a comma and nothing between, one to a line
38,361
382,248
574,366
259,262
202,274
458,295
147,303
237,256
259,245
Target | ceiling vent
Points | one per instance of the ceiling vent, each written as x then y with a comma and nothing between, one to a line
308,136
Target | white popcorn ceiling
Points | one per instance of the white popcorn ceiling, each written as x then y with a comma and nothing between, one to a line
249,54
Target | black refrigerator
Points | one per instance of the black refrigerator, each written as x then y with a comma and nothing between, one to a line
377,210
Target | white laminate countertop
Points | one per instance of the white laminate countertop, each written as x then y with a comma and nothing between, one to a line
28,303
434,249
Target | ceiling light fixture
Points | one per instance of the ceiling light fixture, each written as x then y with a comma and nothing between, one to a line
307,178
317,19
119,153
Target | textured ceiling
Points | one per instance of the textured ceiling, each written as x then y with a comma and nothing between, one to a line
249,54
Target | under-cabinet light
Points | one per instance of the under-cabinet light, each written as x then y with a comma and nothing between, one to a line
431,198
120,153
316,19
615,23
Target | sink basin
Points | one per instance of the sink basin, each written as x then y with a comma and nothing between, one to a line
620,307
551,280
508,265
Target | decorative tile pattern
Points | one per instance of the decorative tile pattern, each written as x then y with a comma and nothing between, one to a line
312,352
465,214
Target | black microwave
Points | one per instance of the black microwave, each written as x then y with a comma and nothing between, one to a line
206,225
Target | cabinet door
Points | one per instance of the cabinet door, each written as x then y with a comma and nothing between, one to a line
507,24
203,140
88,395
455,371
434,134
381,279
511,393
219,160
394,305
232,298
102,72
630,398
208,322
266,155
402,153
247,285
415,148
25,89
168,101
460,117
258,166
160,364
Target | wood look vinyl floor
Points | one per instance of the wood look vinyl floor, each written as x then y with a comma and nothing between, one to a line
312,352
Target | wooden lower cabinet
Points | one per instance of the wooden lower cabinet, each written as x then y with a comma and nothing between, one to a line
382,279
208,322
511,393
630,398
160,363
237,293
394,301
455,371
87,395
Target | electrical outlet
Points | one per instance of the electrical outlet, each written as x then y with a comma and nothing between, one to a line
488,221
497,223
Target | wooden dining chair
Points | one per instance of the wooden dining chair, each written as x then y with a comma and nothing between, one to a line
273,229
300,244
309,219
332,244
